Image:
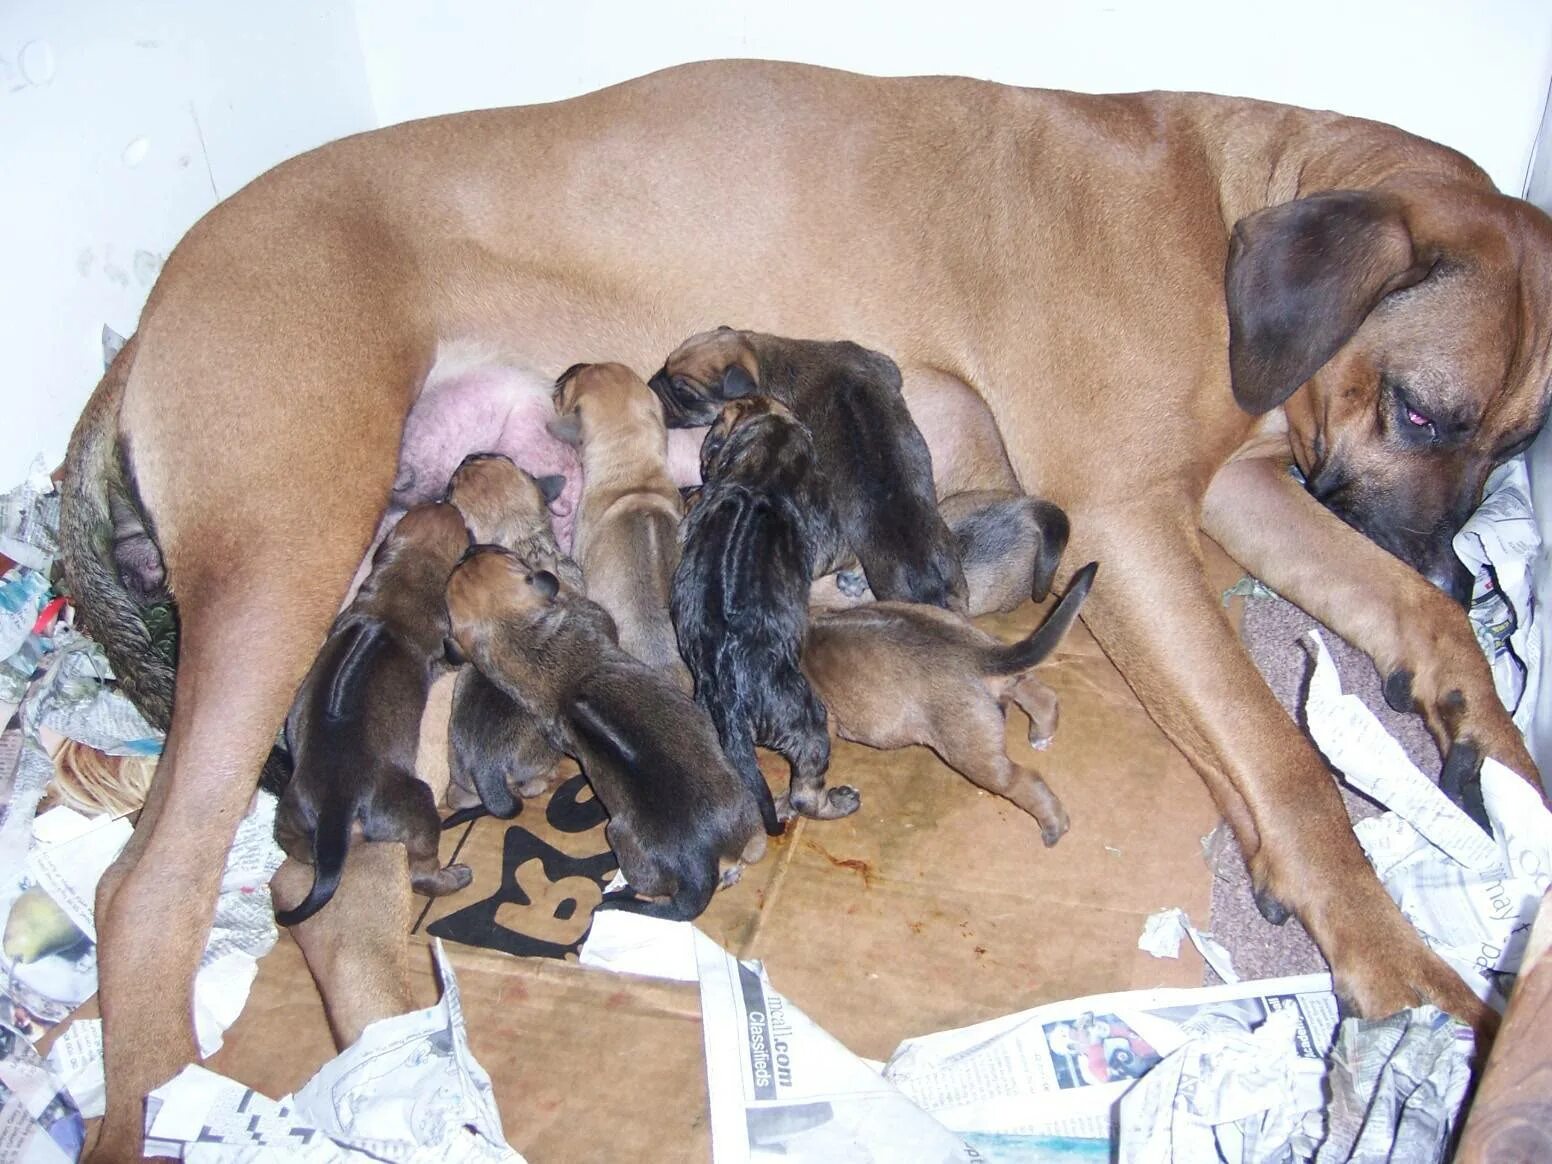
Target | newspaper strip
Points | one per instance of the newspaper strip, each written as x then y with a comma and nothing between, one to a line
1047,1080
1472,896
1162,933
1500,544
1246,1096
29,521
39,1123
781,1086
76,1057
408,1090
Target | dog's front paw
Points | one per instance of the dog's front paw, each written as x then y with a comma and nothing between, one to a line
852,583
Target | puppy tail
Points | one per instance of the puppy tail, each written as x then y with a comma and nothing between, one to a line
96,489
688,902
738,746
1024,654
331,841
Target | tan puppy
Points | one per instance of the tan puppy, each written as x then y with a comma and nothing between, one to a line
495,747
895,674
1156,301
627,540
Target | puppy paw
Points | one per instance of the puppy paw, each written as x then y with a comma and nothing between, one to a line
841,800
1039,740
852,583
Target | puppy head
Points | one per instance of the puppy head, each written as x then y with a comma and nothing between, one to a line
427,540
590,398
1403,332
500,503
491,586
738,426
703,372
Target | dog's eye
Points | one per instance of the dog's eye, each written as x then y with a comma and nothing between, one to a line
1418,420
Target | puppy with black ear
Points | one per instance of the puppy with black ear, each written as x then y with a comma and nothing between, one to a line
627,539
877,462
895,674
495,747
759,531
680,819
355,726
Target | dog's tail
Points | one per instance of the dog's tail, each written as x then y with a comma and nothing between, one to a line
331,841
689,901
737,738
95,481
1024,654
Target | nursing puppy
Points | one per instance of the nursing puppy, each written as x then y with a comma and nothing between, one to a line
355,726
495,745
895,674
680,820
627,539
760,529
867,444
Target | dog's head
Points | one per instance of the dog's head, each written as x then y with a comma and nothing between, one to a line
492,587
410,568
740,426
587,395
1405,332
500,503
702,373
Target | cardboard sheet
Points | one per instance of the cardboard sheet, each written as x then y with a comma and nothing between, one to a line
934,892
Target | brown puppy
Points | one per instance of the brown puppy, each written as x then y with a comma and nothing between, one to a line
879,467
355,727
896,673
680,821
495,747
1079,301
627,540
1009,544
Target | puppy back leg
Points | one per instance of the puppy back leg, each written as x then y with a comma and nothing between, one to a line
1163,626
971,739
406,811
264,456
1040,704
805,743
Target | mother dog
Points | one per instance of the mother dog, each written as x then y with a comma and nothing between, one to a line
1155,300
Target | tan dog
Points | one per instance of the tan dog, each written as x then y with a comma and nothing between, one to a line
627,540
897,673
1157,300
495,747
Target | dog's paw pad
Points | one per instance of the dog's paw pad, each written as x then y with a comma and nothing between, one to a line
842,800
1274,911
852,583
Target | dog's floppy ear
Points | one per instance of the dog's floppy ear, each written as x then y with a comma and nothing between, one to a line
566,428
737,382
1301,279
550,486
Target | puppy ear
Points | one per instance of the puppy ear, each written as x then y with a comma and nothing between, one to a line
546,584
453,652
550,486
1301,279
566,428
565,377
737,382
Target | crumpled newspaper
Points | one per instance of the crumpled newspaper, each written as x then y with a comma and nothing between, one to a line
1473,896
1500,543
1247,1097
29,520
408,1090
39,1121
1163,932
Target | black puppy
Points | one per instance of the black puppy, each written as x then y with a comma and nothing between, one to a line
877,462
680,819
759,531
355,726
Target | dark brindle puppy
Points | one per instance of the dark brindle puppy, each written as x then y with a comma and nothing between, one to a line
680,819
495,746
355,726
867,444
759,531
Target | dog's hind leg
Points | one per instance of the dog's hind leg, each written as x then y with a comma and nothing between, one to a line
1040,704
406,812
805,744
971,741
264,453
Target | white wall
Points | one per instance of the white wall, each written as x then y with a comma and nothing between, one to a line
1471,75
120,124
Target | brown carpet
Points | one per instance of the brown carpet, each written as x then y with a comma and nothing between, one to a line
1273,631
